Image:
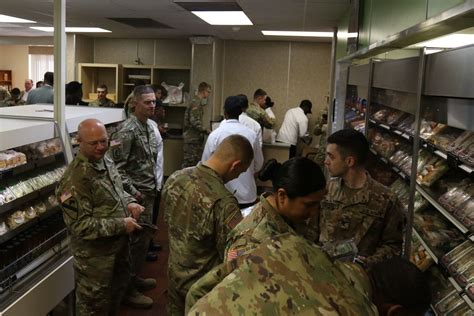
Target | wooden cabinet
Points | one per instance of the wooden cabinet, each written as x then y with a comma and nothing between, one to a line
6,79
93,75
130,75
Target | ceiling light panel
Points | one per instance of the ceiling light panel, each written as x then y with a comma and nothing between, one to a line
12,19
50,29
448,41
223,17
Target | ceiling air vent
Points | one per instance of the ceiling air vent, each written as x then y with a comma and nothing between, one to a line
141,23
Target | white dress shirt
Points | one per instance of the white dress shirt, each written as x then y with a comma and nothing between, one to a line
295,125
269,134
244,187
159,157
252,124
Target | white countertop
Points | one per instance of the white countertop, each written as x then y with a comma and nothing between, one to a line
16,132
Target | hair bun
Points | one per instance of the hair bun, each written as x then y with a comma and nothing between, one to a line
269,170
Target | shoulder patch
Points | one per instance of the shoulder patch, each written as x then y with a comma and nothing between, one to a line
115,142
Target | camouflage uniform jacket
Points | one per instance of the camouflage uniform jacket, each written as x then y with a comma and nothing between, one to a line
200,213
373,217
134,149
263,222
288,275
259,115
105,103
193,130
9,101
94,205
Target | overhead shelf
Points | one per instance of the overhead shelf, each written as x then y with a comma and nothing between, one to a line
455,19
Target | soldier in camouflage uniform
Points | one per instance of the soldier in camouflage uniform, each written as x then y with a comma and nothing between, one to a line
193,128
97,212
297,196
102,100
288,275
200,213
256,110
134,149
356,206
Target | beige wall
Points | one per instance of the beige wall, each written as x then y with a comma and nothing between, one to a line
162,52
15,58
288,71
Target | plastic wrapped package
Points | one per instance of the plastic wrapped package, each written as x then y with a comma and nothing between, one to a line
466,276
40,207
419,256
432,171
3,227
6,196
395,117
470,290
460,140
461,261
407,124
439,285
465,213
456,196
21,189
445,137
16,219
11,158
52,200
427,128
449,303
461,310
175,93
456,253
381,114
30,213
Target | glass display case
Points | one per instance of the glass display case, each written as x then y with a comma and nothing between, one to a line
420,122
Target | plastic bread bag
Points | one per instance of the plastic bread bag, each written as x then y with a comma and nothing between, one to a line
175,93
458,251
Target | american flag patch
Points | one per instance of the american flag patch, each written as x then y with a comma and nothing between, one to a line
65,196
231,255
115,142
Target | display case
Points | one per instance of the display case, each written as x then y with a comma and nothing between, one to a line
421,134
33,242
34,159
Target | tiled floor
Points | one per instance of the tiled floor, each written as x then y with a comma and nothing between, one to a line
155,270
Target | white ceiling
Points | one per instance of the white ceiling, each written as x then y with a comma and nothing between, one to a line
295,15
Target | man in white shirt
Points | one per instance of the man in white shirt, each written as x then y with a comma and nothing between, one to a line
295,125
247,120
28,87
244,187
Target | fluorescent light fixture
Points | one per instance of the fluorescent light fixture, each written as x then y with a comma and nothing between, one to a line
448,41
50,29
223,17
306,34
12,19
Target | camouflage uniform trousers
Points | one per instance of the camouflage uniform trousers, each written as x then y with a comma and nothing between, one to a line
139,240
192,153
101,282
